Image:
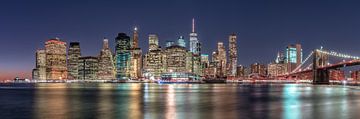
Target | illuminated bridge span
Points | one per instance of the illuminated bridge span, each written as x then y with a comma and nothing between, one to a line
317,66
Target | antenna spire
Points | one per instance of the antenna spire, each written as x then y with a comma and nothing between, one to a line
193,25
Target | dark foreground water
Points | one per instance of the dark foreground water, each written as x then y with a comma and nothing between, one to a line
183,101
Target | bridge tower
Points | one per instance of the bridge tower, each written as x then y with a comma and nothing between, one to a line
320,76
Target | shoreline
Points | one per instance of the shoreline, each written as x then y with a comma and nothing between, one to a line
332,82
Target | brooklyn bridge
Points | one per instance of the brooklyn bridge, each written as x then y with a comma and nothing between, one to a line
318,64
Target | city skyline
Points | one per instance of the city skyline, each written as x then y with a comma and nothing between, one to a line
311,32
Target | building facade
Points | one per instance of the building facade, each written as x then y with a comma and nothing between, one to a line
56,67
39,72
153,64
136,57
293,56
355,75
220,57
259,69
153,42
232,55
88,68
106,67
74,53
123,56
275,69
240,71
175,59
154,59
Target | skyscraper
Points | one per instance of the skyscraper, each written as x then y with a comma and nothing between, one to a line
136,57
153,64
232,55
55,59
122,52
204,60
74,54
88,68
154,59
221,59
153,42
39,72
106,68
181,42
293,56
135,43
195,48
194,42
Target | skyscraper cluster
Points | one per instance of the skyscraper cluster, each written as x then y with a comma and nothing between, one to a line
127,61
222,66
51,62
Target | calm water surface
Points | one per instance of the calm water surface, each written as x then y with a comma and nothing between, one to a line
182,101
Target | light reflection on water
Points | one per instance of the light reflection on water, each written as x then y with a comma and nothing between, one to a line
153,101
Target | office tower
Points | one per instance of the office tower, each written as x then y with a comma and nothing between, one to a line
135,43
39,73
169,43
154,59
181,42
194,42
136,57
221,59
293,56
153,42
88,68
122,52
204,60
74,54
232,55
175,58
106,67
195,48
55,59
153,64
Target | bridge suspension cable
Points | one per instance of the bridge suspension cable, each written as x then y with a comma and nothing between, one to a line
302,63
341,55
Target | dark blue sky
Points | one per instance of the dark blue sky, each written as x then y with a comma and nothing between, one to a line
263,26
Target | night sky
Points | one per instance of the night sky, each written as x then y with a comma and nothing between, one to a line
264,27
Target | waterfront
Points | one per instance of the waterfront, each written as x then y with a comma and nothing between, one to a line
148,100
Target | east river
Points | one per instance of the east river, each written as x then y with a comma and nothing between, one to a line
181,101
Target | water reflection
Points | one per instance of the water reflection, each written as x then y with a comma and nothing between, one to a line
209,101
291,103
51,103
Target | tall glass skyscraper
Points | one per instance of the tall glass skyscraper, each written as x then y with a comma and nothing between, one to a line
293,56
194,42
122,55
